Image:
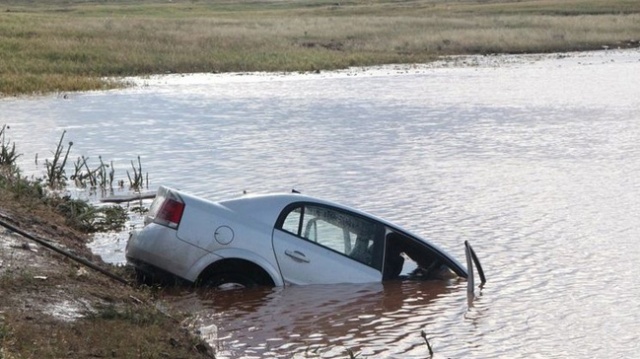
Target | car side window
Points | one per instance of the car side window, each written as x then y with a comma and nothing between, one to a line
291,223
346,233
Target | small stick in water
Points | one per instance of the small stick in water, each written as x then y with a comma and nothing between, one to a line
424,336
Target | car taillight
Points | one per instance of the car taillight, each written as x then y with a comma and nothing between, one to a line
170,213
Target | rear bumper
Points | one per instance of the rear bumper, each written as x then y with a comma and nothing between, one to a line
157,249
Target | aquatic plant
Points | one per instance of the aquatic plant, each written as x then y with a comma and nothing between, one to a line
56,176
78,213
78,176
10,177
8,154
137,182
99,177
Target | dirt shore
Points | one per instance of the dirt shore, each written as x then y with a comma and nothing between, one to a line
54,307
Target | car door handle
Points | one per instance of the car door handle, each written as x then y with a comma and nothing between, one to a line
297,256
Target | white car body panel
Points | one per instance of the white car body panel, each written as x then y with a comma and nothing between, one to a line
158,247
319,265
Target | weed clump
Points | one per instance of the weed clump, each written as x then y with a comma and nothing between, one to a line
8,154
79,214
99,177
88,218
56,177
136,182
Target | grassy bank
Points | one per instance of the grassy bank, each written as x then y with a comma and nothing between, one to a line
54,307
71,45
51,307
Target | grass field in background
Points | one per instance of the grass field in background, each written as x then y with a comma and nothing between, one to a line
56,45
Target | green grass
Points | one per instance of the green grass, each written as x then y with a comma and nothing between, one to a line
32,192
57,45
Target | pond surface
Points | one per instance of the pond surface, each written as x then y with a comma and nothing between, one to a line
534,159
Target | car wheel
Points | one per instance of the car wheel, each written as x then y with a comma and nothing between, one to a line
229,280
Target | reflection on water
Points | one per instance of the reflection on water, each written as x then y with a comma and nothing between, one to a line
299,320
535,160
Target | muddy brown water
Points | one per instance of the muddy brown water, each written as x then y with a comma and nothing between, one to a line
317,320
534,159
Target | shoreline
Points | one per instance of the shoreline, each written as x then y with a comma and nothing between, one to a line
52,307
449,62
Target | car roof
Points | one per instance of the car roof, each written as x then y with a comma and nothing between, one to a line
267,207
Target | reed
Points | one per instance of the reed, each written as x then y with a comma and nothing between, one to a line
56,176
78,214
351,354
136,182
100,177
58,45
8,154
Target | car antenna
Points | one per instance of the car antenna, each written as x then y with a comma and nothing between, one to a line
293,190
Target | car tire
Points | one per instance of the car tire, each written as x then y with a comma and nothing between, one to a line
228,280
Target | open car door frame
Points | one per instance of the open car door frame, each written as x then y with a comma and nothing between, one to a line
472,259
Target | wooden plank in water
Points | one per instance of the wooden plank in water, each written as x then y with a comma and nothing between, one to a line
128,197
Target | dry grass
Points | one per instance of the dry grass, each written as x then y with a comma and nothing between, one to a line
146,334
67,46
114,322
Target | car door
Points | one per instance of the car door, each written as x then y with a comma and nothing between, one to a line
316,244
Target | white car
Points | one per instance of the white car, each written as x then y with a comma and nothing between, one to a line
276,240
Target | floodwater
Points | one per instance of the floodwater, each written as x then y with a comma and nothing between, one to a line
533,159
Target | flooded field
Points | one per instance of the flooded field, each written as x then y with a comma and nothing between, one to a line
534,159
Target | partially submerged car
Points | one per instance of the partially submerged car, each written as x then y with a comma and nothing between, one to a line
276,240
